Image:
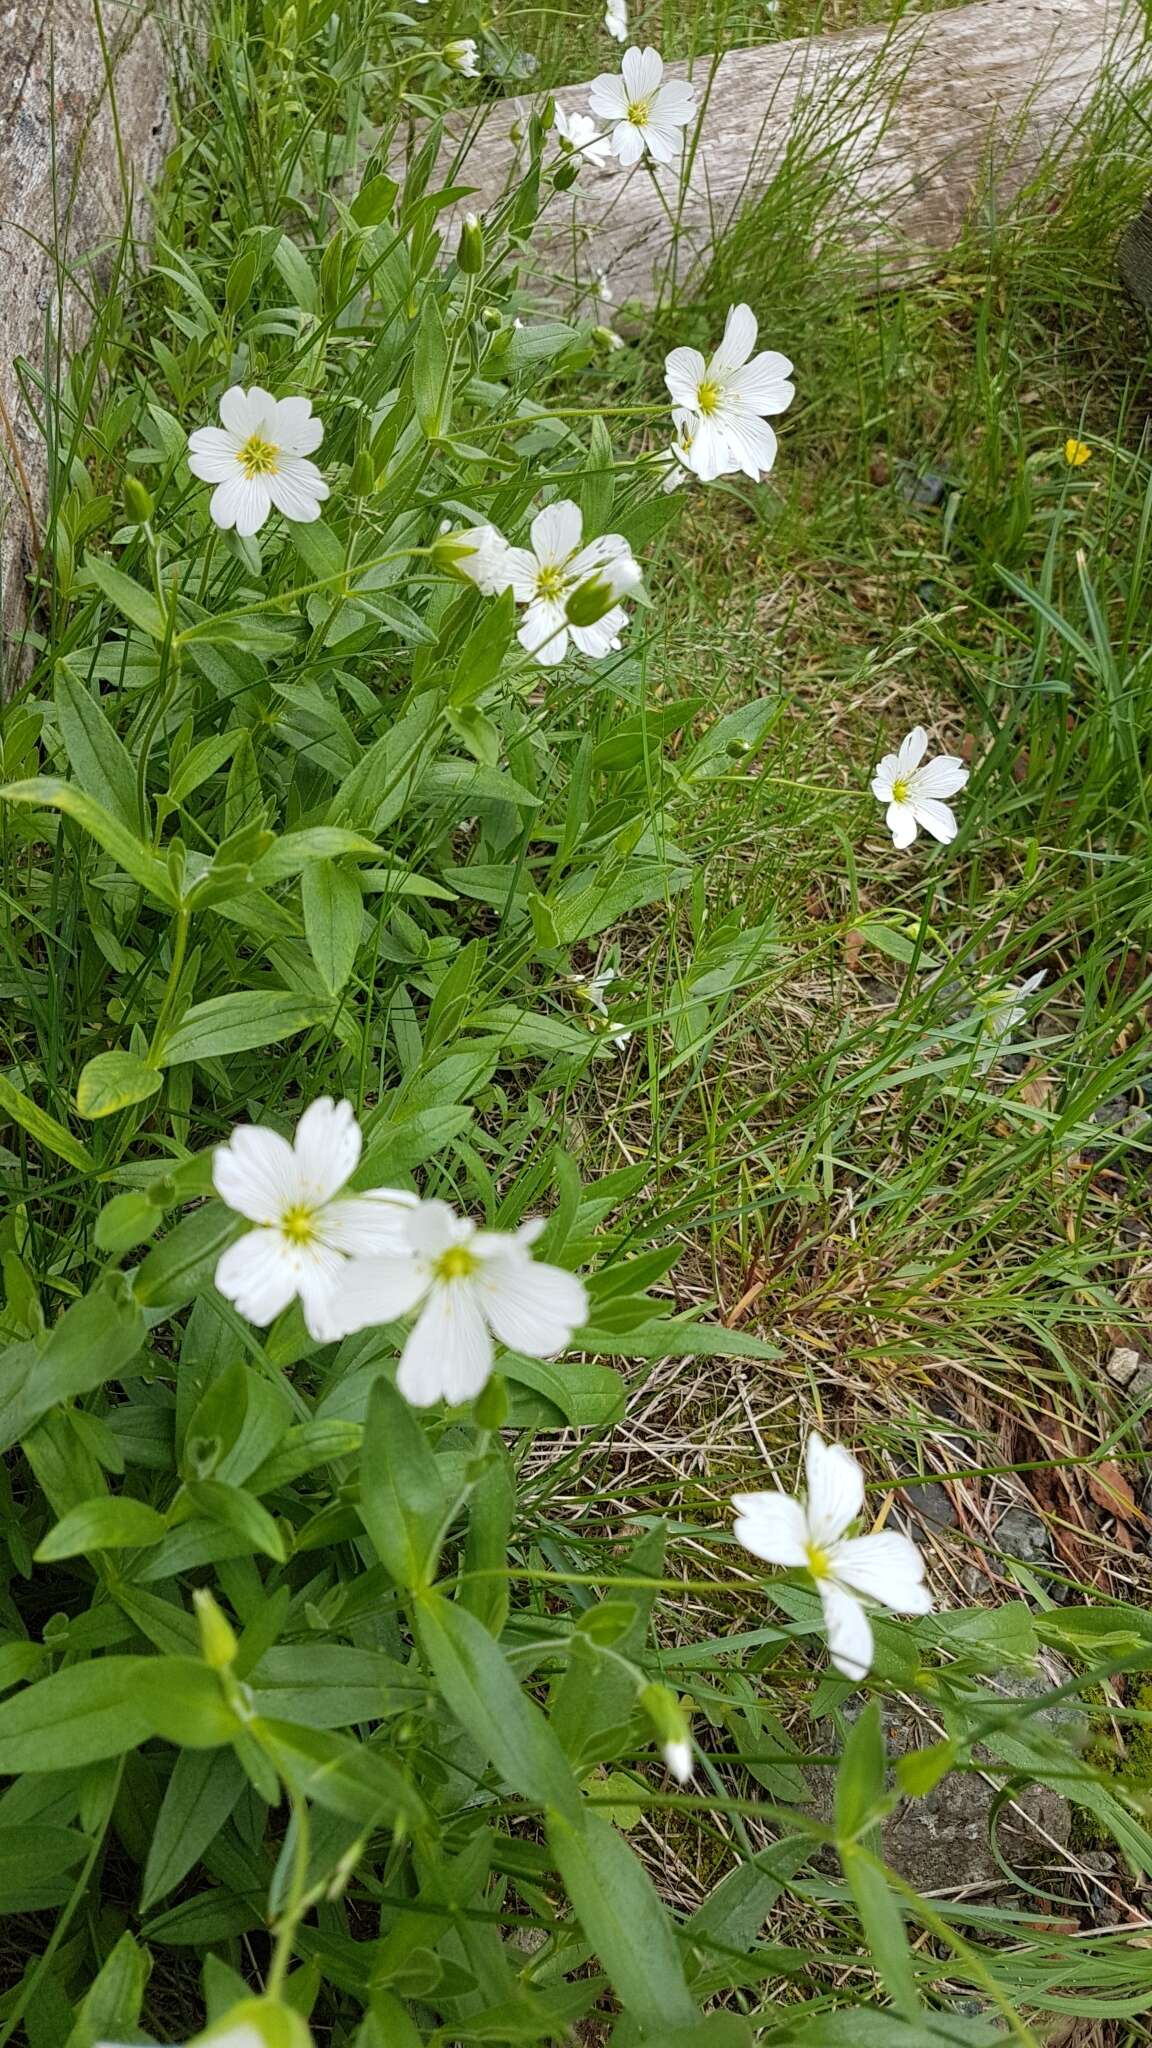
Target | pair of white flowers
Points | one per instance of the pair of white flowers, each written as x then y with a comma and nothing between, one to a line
571,591
812,1535
646,115
356,1260
720,405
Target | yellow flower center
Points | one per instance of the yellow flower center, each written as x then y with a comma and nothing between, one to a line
550,582
456,1263
297,1226
819,1563
900,792
639,112
258,457
709,395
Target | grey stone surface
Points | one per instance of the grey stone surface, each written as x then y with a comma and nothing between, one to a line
70,176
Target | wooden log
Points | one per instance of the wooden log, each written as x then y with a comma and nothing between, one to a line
83,131
910,127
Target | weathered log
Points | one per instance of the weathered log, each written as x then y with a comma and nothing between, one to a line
83,130
911,128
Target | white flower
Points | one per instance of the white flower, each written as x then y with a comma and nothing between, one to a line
616,20
461,56
646,114
604,290
727,397
678,1760
579,136
469,1285
886,1568
677,460
242,2036
913,791
478,553
547,577
592,989
257,459
307,1230
1000,1010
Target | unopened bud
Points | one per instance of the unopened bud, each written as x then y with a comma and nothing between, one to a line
218,1643
460,56
671,1729
362,477
592,600
491,1409
470,248
476,555
607,338
137,501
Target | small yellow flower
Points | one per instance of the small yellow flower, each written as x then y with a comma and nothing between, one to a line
1076,453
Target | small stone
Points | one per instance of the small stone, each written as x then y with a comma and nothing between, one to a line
1022,1534
928,1503
1123,1365
921,486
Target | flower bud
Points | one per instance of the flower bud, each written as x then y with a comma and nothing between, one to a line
460,56
217,1637
590,601
671,1729
607,338
137,501
470,248
491,1409
474,554
362,476
492,318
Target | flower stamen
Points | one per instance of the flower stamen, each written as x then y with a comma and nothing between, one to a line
550,583
258,457
709,396
456,1263
298,1225
639,112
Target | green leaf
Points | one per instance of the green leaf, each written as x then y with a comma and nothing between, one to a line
110,2008
96,754
128,851
483,1692
183,1263
92,1342
50,1135
130,598
202,1791
620,1911
236,1510
184,1701
431,390
108,1523
113,1081
403,1504
75,1717
861,1796
344,1776
333,914
241,1023
483,651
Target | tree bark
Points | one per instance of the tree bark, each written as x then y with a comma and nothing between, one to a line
83,132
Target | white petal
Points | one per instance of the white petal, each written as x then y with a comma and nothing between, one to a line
762,384
258,1275
488,565
935,817
544,632
941,777
257,1173
556,533
297,488
378,1290
243,502
318,1283
532,1307
772,1526
751,441
627,143
243,411
675,103
886,773
684,370
212,454
521,570
298,432
434,1227
367,1226
901,822
327,1148
887,1567
662,140
737,345
710,454
607,97
642,71
849,1630
598,640
449,1353
835,1490
911,751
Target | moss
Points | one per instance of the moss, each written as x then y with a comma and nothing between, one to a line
1128,1760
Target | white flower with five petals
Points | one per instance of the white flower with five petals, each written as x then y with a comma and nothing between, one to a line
258,459
307,1229
468,1285
646,113
886,1568
913,789
547,577
727,397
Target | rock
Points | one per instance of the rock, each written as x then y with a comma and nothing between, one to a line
941,1842
925,487
929,1504
1022,1534
1125,1364
63,158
